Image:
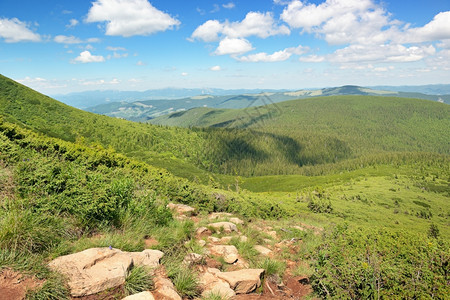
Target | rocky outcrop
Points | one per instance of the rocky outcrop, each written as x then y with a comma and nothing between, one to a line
97,269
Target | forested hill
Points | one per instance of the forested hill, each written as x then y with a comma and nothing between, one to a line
285,138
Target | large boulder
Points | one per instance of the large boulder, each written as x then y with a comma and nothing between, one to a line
228,252
140,296
227,227
97,269
242,281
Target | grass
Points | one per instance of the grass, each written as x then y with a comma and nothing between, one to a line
272,267
186,283
54,288
137,280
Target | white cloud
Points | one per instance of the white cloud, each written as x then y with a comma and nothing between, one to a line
141,63
281,55
63,39
312,58
437,29
233,46
87,57
130,17
257,24
381,53
184,74
115,48
215,68
117,55
229,5
208,31
14,31
114,81
72,23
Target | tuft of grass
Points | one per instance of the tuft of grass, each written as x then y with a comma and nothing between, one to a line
272,267
138,279
186,282
214,296
53,288
23,262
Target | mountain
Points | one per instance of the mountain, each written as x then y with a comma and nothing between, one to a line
142,111
92,98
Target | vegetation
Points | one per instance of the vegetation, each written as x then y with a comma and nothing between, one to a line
374,172
138,279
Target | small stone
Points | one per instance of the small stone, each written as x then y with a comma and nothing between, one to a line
213,239
202,231
272,233
226,239
181,209
243,238
192,259
262,250
228,252
202,243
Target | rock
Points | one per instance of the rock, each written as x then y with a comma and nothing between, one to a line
203,231
181,209
219,215
236,221
243,238
262,250
226,239
93,270
228,252
140,296
148,258
192,259
213,239
164,287
267,241
273,234
242,281
299,228
202,243
227,227
211,285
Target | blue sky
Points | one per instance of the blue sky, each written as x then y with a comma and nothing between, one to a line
61,46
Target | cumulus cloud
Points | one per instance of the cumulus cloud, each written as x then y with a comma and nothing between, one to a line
216,68
274,57
14,31
437,29
130,17
233,46
87,57
257,24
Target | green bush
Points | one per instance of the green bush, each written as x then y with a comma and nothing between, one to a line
363,264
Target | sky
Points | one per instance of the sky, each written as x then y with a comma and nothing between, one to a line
63,46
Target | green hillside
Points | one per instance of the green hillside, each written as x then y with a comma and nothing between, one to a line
324,130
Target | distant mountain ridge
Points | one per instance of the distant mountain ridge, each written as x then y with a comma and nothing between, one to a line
145,110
